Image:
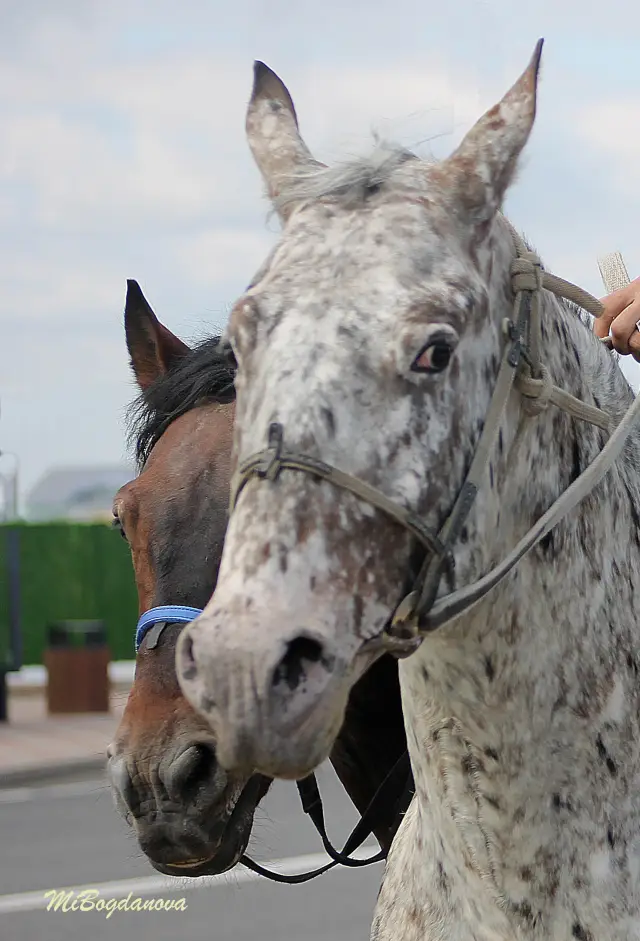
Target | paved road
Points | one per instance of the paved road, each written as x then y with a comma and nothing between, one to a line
70,835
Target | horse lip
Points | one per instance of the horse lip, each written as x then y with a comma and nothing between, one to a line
196,868
219,861
192,863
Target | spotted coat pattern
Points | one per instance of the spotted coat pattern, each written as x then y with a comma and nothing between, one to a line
522,717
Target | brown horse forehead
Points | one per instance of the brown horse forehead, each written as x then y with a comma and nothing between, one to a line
192,436
201,437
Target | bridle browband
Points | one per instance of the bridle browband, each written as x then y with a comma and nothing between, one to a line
398,781
419,613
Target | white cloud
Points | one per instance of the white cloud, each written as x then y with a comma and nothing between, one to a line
214,255
152,141
610,127
143,152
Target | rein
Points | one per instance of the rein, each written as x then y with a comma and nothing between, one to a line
521,367
398,780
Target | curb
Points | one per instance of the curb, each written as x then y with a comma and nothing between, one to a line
37,689
33,679
50,773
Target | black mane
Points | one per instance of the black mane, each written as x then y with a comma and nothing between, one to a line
205,374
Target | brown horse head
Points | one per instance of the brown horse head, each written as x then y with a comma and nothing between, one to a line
190,816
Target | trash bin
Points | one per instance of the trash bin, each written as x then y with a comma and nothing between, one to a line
77,663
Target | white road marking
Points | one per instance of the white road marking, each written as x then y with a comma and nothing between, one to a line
20,795
159,885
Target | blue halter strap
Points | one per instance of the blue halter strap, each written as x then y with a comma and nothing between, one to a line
164,614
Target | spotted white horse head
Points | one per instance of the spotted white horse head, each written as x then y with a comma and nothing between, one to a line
371,340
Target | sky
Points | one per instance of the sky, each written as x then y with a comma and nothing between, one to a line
123,155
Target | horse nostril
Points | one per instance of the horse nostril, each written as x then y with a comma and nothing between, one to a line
301,653
189,771
123,786
188,667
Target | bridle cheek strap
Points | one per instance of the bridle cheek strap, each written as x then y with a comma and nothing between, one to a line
267,465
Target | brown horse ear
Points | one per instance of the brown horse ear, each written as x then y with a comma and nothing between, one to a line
153,349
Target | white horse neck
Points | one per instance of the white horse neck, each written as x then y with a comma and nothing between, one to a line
523,717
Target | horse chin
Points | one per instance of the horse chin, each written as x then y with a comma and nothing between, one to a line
293,764
283,752
293,760
221,849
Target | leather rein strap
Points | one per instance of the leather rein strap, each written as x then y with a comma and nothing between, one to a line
419,612
399,780
399,776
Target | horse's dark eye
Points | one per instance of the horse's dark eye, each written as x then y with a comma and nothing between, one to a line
434,357
116,523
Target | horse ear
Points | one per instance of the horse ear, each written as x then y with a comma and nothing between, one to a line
479,172
272,133
153,349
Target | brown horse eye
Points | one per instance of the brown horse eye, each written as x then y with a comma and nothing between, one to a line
434,357
116,523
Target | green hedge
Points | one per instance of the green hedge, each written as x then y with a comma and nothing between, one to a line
70,571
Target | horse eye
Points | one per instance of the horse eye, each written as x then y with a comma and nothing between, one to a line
116,523
434,357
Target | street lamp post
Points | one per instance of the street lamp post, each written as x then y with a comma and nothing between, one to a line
9,483
10,487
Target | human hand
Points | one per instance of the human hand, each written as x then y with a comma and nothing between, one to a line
621,316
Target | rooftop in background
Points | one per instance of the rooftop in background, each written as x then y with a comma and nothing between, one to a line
83,494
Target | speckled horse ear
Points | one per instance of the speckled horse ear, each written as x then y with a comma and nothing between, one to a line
477,175
273,135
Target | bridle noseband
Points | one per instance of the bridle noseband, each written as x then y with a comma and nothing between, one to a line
421,612
152,623
398,781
